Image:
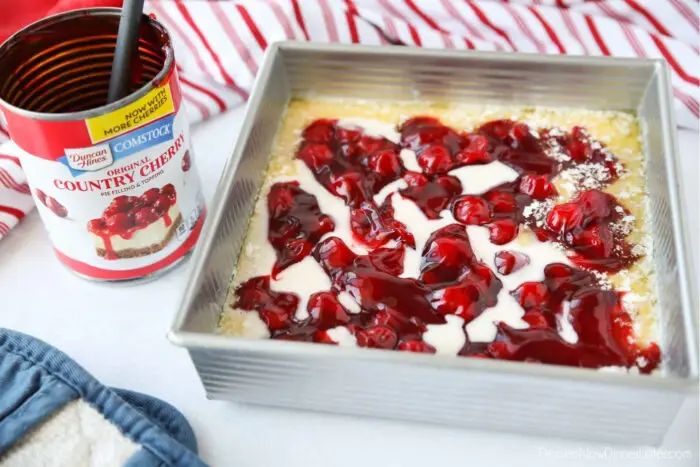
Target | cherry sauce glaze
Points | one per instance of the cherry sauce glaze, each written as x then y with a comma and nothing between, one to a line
394,310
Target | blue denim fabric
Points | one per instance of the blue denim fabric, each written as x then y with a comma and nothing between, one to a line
36,380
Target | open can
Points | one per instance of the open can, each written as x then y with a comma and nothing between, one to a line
115,183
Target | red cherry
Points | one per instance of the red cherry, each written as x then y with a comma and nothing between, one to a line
347,136
537,186
332,253
415,179
530,294
595,205
435,159
564,217
385,162
41,196
460,300
120,204
322,337
274,320
510,261
325,311
498,350
379,337
520,131
144,216
319,131
315,155
477,143
56,207
162,204
96,225
535,319
469,157
502,231
501,202
595,241
186,162
119,222
348,187
150,196
650,356
368,144
168,190
471,210
416,346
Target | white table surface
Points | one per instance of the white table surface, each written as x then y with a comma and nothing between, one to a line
118,334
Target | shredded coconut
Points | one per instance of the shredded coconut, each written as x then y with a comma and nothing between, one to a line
537,211
587,176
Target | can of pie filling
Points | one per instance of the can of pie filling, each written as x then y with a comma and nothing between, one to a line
115,184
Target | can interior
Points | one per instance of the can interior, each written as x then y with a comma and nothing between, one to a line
63,64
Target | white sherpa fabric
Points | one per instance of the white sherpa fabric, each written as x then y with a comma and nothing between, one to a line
75,436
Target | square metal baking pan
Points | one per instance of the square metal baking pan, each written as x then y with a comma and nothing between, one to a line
484,394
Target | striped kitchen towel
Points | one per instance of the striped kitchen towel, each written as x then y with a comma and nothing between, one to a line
219,44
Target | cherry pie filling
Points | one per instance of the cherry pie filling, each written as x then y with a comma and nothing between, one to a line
395,311
126,215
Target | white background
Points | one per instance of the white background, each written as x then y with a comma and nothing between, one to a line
118,334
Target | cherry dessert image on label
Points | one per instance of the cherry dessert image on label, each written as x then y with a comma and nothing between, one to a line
431,229
136,226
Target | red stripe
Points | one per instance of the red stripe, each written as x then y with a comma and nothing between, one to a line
482,17
329,21
3,132
672,61
196,102
428,20
526,29
352,26
632,39
252,26
12,211
11,159
217,61
10,182
566,16
203,90
550,31
687,13
452,12
4,229
609,11
172,24
391,28
688,101
100,273
411,29
281,17
233,36
300,18
596,36
644,12
414,35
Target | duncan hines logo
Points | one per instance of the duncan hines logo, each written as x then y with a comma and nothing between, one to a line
92,158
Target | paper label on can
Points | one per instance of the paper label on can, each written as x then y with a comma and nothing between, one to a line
128,202
155,104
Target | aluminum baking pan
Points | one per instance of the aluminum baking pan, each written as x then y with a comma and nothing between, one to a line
478,393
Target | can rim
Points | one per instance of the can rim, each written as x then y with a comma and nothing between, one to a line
102,110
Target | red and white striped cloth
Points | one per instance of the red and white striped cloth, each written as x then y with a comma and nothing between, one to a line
219,44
